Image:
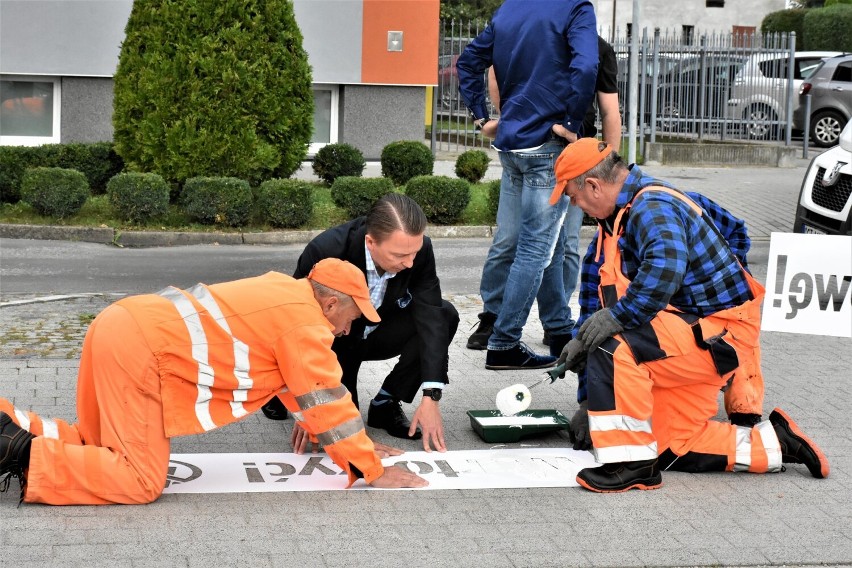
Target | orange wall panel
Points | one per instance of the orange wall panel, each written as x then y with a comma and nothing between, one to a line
417,63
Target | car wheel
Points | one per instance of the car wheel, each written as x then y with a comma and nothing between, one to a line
825,128
759,121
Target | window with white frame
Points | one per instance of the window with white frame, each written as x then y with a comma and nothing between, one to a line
29,110
325,117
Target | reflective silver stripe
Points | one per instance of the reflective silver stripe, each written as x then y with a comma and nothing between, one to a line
241,350
298,417
345,430
199,353
49,428
743,449
324,396
771,445
616,454
23,419
618,422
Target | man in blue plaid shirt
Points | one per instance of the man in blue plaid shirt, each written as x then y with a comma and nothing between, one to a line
670,316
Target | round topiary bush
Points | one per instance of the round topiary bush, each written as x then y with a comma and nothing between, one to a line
97,161
285,202
493,197
54,192
443,199
471,165
220,200
405,159
138,197
337,160
356,195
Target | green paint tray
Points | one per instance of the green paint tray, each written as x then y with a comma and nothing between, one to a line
492,426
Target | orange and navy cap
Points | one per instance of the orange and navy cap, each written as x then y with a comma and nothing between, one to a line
576,159
347,279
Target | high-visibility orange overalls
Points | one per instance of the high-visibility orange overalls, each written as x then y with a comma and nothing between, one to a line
653,390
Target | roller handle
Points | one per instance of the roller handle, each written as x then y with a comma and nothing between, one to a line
556,372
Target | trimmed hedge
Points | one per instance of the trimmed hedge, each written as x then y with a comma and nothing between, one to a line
829,28
338,160
443,199
471,165
493,197
405,159
356,195
784,21
219,200
285,202
54,192
138,197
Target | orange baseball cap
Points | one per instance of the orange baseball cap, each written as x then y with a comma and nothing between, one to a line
576,159
347,279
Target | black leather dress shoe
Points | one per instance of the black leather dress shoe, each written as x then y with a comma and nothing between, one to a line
389,416
618,477
275,409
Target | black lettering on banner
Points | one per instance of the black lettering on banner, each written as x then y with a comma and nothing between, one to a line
284,469
315,464
445,468
780,269
827,291
253,473
422,467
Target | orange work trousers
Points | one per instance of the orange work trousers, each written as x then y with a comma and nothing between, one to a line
118,452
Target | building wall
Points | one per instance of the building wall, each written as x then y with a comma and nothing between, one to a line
373,116
86,109
660,14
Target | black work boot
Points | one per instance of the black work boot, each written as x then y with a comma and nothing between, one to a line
14,452
275,409
747,420
479,339
796,447
557,343
621,476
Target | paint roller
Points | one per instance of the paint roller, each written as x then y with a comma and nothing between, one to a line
517,398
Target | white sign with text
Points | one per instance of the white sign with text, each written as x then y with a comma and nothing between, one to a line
809,285
470,469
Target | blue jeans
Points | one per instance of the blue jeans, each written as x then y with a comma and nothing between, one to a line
527,237
570,236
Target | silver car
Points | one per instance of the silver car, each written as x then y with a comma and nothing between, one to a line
830,87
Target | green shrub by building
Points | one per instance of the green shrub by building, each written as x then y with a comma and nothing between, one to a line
337,160
784,21
54,192
493,197
285,202
213,89
829,28
217,200
442,198
405,159
356,195
138,197
471,165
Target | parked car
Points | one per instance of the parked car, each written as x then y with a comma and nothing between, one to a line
448,84
760,90
830,87
825,200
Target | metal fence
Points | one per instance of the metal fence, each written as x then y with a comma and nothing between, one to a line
708,86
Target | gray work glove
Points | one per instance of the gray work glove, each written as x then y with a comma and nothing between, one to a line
579,433
574,357
598,328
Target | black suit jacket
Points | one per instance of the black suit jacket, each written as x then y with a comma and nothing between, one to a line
415,291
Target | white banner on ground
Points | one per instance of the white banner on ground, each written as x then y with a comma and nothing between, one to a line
472,469
809,285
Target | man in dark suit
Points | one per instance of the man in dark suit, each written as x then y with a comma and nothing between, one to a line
417,324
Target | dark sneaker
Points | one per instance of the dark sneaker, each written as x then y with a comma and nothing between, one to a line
796,447
14,452
622,476
479,339
744,419
389,416
275,409
557,343
518,357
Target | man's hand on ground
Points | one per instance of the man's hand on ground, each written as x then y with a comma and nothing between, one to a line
300,440
428,417
394,477
385,451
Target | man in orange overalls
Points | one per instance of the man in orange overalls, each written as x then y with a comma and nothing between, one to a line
678,319
188,361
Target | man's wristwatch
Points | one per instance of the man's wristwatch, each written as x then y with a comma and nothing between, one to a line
434,394
478,124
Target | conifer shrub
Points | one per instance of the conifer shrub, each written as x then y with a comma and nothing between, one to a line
54,192
404,159
337,160
442,198
285,202
471,165
138,197
217,200
208,89
356,195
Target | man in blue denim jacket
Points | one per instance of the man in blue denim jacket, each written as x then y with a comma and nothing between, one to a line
545,54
